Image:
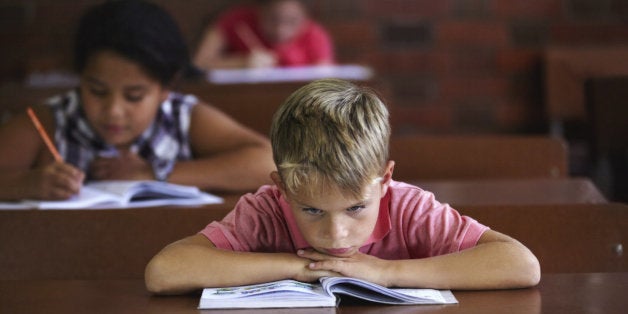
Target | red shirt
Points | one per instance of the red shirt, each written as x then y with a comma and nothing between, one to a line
311,46
411,224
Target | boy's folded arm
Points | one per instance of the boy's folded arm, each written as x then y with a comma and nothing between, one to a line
496,262
194,263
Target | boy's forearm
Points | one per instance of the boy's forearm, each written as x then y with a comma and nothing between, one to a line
495,265
184,267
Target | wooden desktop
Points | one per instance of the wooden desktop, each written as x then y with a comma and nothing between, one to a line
556,293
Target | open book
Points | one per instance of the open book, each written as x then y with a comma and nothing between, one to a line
289,74
124,194
292,293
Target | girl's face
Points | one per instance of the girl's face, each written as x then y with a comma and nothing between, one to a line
120,100
282,20
333,223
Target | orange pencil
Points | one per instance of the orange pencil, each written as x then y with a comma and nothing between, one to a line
44,135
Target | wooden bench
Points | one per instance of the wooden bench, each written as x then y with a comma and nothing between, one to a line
250,104
110,244
565,238
93,244
477,157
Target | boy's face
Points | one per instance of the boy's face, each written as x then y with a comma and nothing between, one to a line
335,224
119,99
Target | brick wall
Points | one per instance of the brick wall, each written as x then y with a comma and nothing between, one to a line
450,66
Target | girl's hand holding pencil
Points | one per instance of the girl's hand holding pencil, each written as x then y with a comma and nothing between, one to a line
57,180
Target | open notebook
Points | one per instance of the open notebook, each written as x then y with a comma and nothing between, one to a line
325,293
124,194
289,74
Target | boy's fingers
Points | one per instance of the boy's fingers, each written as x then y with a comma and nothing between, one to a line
313,255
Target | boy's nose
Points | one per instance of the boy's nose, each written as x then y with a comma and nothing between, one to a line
337,229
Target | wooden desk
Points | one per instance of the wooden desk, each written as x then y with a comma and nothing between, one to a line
514,191
106,244
557,293
564,237
95,244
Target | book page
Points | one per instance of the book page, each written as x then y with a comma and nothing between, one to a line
277,294
289,74
376,293
127,190
86,198
120,195
154,193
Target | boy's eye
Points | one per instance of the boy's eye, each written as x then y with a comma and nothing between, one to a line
312,211
356,208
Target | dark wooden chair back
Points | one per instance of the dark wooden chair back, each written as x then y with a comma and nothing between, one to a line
477,157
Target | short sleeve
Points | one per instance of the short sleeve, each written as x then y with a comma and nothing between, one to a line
256,224
432,228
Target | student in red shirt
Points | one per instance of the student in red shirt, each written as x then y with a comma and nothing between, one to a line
271,33
335,210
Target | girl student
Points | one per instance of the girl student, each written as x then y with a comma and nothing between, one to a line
125,122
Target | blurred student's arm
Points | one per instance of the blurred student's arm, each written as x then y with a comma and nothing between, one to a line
212,54
227,154
27,168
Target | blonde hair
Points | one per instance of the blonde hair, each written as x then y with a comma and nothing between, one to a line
330,133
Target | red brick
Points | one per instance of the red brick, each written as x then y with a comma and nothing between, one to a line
512,60
434,117
589,33
528,8
410,62
513,116
400,9
357,34
454,88
470,61
464,33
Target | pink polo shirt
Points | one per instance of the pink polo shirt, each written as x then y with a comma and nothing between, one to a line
411,224
312,45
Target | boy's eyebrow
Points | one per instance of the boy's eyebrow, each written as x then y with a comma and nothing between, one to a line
358,203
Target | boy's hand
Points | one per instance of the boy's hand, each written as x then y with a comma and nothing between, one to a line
307,274
358,265
126,166
56,181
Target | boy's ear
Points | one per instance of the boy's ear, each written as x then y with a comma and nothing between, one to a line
277,181
387,176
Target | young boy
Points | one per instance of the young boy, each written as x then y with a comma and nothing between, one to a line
336,211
